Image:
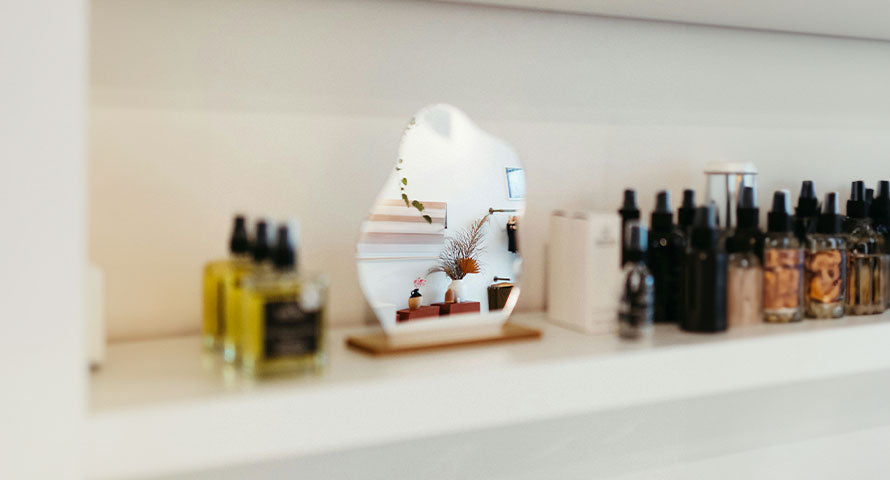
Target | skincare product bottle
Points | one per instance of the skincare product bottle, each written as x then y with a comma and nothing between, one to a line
686,212
880,217
744,283
826,263
233,286
782,265
667,248
214,320
865,271
806,214
705,275
636,309
629,212
283,316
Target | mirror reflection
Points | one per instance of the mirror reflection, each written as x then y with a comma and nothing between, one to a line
439,248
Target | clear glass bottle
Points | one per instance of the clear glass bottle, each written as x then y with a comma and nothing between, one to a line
705,275
826,263
233,291
782,265
667,248
744,282
865,271
880,217
283,316
637,306
806,213
214,291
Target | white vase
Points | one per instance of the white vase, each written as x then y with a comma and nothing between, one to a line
459,290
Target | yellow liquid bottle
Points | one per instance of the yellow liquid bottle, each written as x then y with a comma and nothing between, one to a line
283,317
215,272
232,283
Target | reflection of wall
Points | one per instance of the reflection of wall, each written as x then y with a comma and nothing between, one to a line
448,159
200,109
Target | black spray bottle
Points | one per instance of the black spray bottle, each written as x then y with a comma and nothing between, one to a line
806,214
667,247
686,212
636,309
705,275
880,212
629,212
747,237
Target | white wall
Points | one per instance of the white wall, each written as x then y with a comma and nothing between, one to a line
43,255
203,108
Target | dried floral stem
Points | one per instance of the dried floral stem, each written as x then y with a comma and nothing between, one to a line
461,253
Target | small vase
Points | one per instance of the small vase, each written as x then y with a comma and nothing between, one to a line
415,300
457,292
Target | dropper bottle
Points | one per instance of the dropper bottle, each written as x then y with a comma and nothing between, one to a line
806,214
865,272
636,308
686,212
629,212
782,265
826,263
667,247
705,275
214,276
744,283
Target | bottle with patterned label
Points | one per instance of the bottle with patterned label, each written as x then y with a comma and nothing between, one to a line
826,263
283,316
782,265
865,270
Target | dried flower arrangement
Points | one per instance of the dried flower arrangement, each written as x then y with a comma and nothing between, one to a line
460,256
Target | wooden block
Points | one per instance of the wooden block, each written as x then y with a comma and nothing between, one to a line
425,311
378,343
449,308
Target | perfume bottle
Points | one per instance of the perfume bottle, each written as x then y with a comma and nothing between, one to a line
744,282
283,316
705,275
214,320
629,212
636,309
879,211
686,212
826,263
667,247
865,270
806,214
782,265
233,288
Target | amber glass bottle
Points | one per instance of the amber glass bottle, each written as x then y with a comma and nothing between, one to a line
215,272
283,316
782,265
826,263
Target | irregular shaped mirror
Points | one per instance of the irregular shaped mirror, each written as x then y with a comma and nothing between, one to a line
439,247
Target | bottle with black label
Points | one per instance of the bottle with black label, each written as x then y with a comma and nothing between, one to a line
806,214
638,295
667,249
629,212
215,275
705,274
284,316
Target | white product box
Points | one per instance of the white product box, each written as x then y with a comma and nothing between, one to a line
584,271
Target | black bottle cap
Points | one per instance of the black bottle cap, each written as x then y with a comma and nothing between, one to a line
830,220
260,248
880,206
239,242
704,228
283,255
747,212
779,219
636,240
662,217
807,203
856,206
686,212
629,210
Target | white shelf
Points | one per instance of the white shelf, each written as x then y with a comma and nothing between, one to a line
167,398
853,18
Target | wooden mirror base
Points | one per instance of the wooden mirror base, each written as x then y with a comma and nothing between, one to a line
378,343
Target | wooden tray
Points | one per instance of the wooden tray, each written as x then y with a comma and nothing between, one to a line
378,343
